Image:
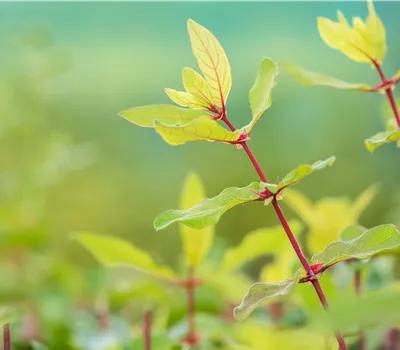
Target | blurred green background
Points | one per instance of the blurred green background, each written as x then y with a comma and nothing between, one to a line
67,69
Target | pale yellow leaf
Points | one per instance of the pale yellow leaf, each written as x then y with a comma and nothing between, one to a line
376,33
342,19
196,242
195,84
345,39
212,62
203,128
185,99
364,200
167,114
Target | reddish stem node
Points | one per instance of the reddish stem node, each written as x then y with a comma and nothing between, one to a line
192,337
389,93
292,239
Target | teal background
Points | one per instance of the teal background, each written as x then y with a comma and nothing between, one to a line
123,54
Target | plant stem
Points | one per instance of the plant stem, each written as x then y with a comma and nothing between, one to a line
191,306
357,288
389,93
147,330
6,337
289,233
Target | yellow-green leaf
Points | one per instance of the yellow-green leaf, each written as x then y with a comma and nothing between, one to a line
185,99
212,61
203,128
195,84
375,33
299,173
260,93
308,78
362,43
261,292
196,242
377,240
381,138
209,211
167,114
114,252
329,216
257,243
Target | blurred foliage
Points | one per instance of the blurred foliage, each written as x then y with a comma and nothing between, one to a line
68,163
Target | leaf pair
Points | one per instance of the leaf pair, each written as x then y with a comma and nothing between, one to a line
361,244
205,97
209,211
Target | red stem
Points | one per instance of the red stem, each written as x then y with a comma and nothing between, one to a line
389,93
357,288
191,306
6,337
289,233
147,330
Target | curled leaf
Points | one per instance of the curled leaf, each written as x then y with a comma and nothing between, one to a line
260,93
209,211
381,138
261,291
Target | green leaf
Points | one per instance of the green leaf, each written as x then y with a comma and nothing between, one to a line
260,292
39,346
212,61
167,114
203,128
196,242
377,240
257,243
308,78
114,252
352,232
381,138
209,211
260,93
376,308
299,173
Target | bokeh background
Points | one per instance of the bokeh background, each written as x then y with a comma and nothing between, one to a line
70,163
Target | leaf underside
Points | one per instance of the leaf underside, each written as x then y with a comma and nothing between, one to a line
299,173
261,292
308,78
378,240
209,211
381,138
